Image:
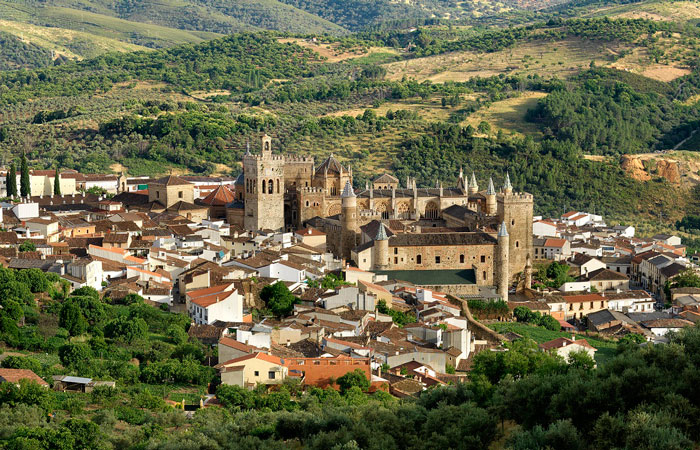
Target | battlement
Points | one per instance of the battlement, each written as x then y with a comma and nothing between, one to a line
518,196
292,159
258,158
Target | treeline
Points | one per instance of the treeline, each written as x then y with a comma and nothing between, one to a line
553,171
547,401
603,113
218,64
425,41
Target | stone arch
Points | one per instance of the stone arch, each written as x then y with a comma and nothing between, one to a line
334,209
431,210
403,210
382,209
271,186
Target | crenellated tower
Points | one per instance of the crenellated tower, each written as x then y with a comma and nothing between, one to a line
515,209
264,189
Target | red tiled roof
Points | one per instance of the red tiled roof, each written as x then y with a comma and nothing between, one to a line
564,342
583,298
221,196
555,243
15,375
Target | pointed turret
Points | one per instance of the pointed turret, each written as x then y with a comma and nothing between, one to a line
491,190
491,199
348,191
507,187
381,233
502,231
473,186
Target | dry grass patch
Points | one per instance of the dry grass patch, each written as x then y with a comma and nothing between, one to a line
430,109
333,53
547,59
508,115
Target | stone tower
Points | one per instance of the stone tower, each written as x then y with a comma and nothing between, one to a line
491,199
516,210
473,186
502,262
348,221
381,249
264,189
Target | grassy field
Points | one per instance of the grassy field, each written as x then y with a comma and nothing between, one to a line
653,10
606,348
508,115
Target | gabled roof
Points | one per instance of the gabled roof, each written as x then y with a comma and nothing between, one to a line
556,243
257,355
386,178
15,375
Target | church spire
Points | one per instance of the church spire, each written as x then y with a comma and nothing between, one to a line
348,191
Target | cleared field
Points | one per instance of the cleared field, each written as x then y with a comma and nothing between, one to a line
653,10
508,115
333,53
562,58
430,109
545,58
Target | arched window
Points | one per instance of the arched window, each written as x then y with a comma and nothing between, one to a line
431,211
278,185
517,244
271,187
307,203
263,187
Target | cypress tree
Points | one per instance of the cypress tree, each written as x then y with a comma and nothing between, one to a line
24,188
12,181
57,183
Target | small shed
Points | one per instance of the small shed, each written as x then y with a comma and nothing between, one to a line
66,383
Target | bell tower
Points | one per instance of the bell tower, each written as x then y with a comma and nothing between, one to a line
264,189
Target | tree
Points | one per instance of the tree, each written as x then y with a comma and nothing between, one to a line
57,183
278,299
356,378
521,313
24,187
581,360
125,329
176,334
27,246
76,356
12,181
550,323
71,318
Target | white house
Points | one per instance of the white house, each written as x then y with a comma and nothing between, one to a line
565,347
221,302
544,228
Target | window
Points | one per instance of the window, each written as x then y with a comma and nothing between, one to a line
179,194
591,304
419,259
517,244
512,222
271,375
307,203
483,274
396,250
461,259
483,258
157,194
396,260
437,260
257,373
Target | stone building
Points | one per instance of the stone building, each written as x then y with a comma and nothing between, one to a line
483,236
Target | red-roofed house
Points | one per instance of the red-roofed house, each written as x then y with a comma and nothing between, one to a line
312,237
555,249
16,375
250,370
221,302
564,347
